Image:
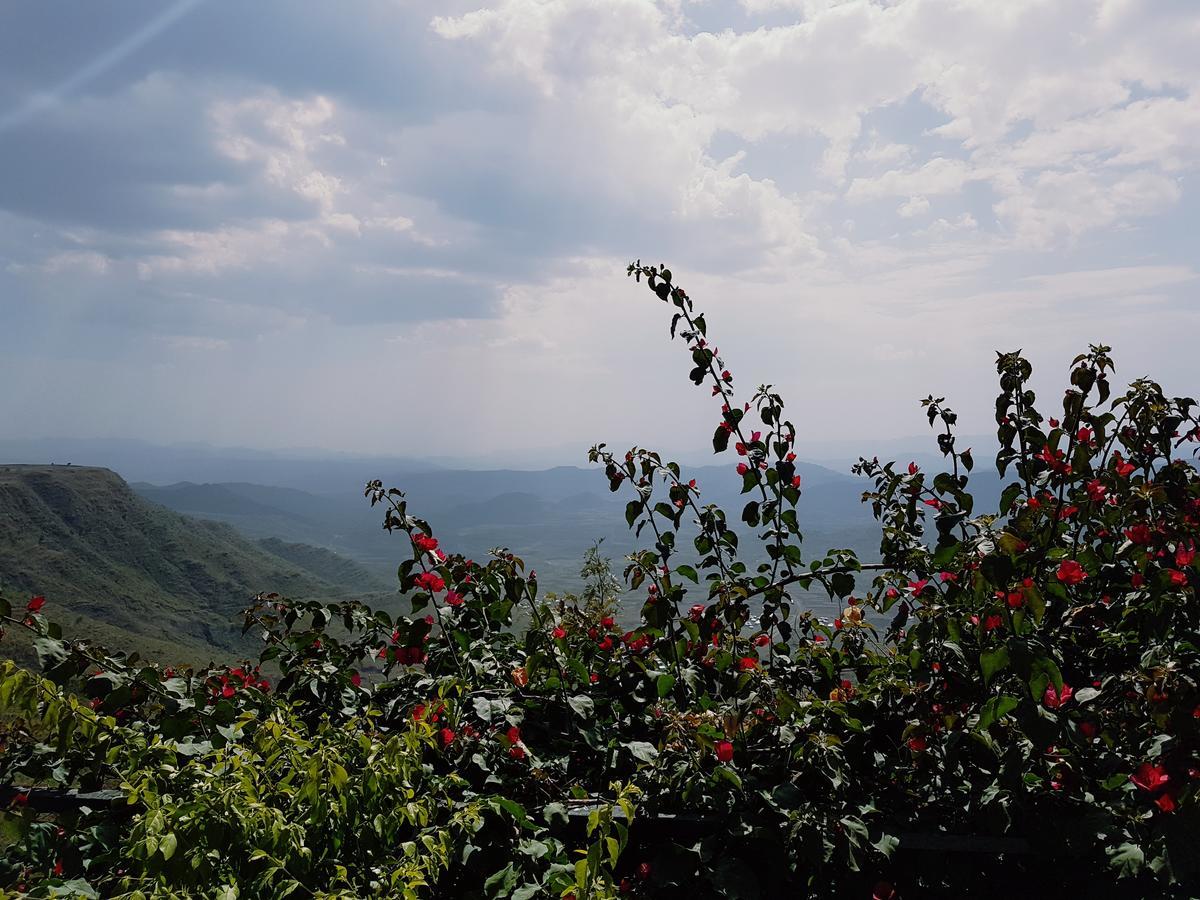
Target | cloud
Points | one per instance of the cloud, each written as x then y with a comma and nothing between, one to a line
868,189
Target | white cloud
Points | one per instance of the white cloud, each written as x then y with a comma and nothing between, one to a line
863,191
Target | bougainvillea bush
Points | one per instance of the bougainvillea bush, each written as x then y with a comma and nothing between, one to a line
1008,700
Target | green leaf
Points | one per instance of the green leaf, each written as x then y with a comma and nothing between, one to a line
582,705
993,661
1083,695
642,750
996,709
1127,859
664,683
167,845
887,845
689,573
501,883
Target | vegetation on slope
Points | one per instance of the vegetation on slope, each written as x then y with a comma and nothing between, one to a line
123,569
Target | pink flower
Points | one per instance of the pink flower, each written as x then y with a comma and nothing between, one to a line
1055,699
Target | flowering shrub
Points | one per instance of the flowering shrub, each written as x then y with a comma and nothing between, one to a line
1024,677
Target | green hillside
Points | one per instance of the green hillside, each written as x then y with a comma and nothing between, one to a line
116,567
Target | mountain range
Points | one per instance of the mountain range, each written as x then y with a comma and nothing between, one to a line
131,573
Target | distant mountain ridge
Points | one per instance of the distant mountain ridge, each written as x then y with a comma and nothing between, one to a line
115,566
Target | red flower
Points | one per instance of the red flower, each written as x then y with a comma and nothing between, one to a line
227,691
992,622
1096,490
607,621
559,632
916,743
912,468
748,662
1177,578
1016,600
1123,469
724,751
1067,511
742,468
934,502
58,868
1165,802
1150,778
727,376
949,577
918,586
35,604
740,448
762,640
1070,572
1137,579
643,870
884,891
513,734
453,598
1054,699
447,735
1089,729
796,482
516,751
1139,534
1084,436
356,679
696,613
430,581
1184,556
425,542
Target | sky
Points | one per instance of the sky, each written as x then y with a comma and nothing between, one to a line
402,227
